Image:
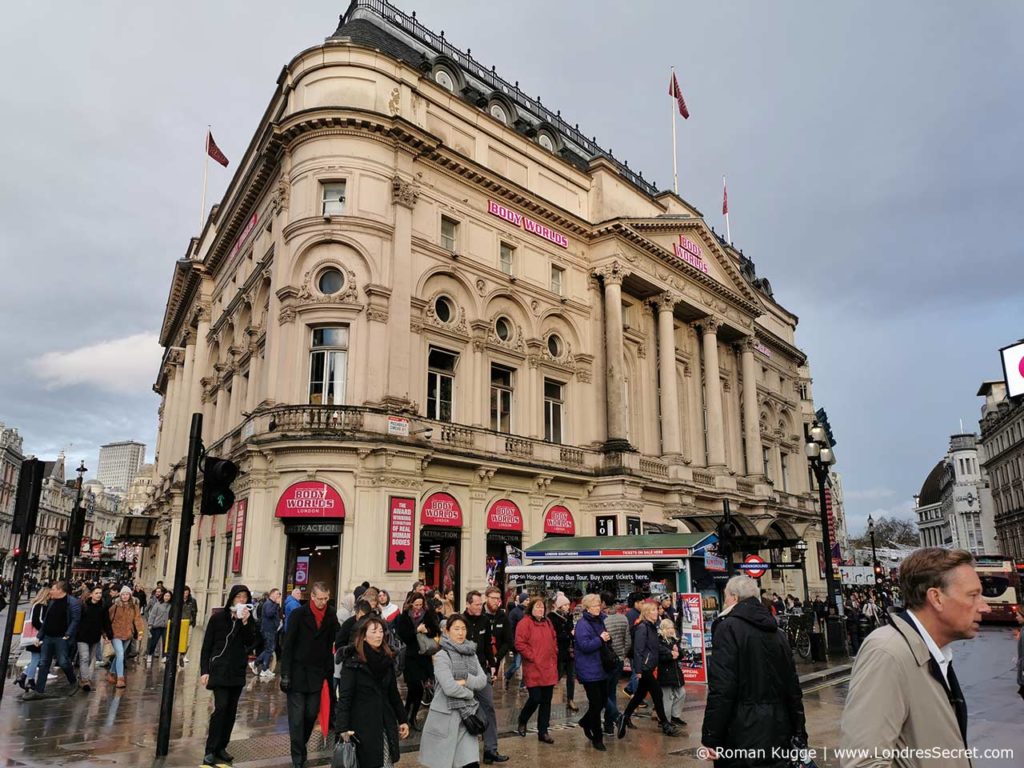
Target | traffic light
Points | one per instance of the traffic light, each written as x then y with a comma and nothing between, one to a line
218,475
878,572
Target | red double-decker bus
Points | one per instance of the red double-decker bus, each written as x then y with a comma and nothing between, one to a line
1000,587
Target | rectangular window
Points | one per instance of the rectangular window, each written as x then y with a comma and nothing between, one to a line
506,257
785,479
501,399
557,280
767,457
328,366
441,384
449,233
552,411
333,198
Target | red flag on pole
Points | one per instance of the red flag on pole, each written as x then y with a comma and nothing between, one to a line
673,90
214,151
725,198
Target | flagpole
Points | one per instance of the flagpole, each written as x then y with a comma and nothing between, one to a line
206,165
728,234
675,170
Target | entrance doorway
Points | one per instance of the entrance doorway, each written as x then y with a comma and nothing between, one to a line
497,555
440,559
313,555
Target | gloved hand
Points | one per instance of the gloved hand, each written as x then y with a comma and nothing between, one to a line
286,684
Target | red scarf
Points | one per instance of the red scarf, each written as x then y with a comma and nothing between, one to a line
318,613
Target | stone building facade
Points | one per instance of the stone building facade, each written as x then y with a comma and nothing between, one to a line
430,319
1002,448
10,468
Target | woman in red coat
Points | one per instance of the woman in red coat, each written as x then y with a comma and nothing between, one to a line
535,642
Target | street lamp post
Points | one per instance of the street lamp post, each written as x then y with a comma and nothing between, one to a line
821,458
75,524
874,556
801,548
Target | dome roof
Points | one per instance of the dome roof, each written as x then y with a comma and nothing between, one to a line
931,490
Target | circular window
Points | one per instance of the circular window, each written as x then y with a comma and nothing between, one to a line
555,346
444,309
330,281
546,141
444,79
498,113
503,328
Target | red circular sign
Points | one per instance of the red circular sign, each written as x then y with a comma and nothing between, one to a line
559,520
441,509
758,572
310,499
504,515
1020,366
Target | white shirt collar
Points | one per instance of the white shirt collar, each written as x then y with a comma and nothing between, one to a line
943,656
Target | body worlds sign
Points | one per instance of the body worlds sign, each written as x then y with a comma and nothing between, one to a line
689,252
310,499
534,227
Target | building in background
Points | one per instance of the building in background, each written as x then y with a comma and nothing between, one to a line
10,466
1002,449
431,319
841,545
951,507
119,463
140,492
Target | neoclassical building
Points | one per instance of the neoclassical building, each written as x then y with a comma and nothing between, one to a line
1002,459
430,319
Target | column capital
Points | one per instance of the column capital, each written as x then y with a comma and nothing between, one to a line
611,274
404,193
746,344
201,311
665,302
709,324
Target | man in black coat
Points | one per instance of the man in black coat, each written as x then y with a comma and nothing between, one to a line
230,636
754,700
307,664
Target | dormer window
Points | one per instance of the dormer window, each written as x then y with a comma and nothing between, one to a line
498,112
444,78
547,140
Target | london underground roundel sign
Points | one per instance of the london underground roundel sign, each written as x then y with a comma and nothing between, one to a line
754,573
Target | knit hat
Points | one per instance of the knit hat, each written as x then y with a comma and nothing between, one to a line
358,592
561,600
126,590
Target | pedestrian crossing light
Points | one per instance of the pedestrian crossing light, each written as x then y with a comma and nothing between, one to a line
218,475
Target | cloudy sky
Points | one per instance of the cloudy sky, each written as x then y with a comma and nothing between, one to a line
874,155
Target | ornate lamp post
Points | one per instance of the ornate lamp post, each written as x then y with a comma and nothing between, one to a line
821,458
75,524
874,557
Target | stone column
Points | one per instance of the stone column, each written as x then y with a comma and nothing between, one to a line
235,406
218,414
670,442
202,359
399,384
173,409
751,414
713,392
615,398
255,371
185,396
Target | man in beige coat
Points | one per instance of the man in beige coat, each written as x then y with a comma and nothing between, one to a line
904,695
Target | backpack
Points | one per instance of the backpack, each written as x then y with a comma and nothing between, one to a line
257,612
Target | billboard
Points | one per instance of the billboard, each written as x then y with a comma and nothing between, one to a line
1013,368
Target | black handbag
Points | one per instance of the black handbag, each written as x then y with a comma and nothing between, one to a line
474,722
609,659
345,755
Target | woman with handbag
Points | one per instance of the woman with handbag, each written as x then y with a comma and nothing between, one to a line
538,647
592,646
32,643
125,623
369,707
670,674
418,628
645,661
454,722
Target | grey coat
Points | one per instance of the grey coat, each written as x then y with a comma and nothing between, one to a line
445,742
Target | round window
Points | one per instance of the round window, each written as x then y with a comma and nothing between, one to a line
443,309
331,281
555,346
503,328
498,113
546,141
445,80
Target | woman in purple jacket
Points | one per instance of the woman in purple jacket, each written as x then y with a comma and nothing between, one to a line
590,636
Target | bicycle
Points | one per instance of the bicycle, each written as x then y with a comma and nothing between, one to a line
798,630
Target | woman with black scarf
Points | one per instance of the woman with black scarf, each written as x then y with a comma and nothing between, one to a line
369,706
416,618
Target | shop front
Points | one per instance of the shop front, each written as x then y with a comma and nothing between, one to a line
440,548
504,539
313,515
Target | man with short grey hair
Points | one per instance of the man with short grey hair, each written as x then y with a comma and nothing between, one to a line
754,699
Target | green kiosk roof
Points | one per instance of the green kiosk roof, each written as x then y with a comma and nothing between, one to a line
652,547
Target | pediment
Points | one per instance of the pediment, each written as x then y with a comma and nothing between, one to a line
690,243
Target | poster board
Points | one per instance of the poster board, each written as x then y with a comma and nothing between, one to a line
691,639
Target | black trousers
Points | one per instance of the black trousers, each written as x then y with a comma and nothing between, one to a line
222,721
302,711
647,684
540,702
414,698
597,700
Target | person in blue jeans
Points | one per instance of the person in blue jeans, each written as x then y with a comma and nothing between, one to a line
270,620
60,626
37,613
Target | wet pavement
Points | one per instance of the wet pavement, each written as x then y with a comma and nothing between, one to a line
118,728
